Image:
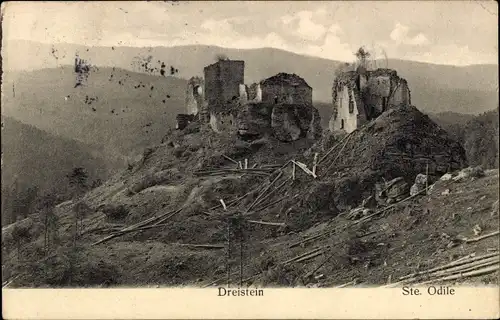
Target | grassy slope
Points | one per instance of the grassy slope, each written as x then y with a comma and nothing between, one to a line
401,241
124,119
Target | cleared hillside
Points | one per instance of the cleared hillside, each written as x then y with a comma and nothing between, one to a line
163,215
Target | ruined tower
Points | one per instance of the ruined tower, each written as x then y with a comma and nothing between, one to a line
361,95
222,82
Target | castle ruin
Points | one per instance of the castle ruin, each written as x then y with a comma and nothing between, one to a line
280,105
361,95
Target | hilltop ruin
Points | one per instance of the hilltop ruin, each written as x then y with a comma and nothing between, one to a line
280,106
361,95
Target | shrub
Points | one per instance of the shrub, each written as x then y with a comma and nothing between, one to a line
115,212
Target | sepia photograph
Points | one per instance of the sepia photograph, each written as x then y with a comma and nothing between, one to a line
239,146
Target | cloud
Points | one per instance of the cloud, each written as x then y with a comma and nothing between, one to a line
400,35
439,32
332,46
308,29
303,24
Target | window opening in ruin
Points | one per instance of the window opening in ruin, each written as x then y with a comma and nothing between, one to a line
341,123
358,82
275,100
384,104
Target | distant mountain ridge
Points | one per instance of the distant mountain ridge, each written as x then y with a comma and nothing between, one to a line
435,88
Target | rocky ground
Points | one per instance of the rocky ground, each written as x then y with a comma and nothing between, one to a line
361,216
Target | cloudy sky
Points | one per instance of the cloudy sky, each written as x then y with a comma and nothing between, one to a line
455,32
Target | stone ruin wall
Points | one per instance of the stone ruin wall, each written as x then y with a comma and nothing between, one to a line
195,95
385,89
358,98
286,122
287,94
222,84
250,110
223,122
346,116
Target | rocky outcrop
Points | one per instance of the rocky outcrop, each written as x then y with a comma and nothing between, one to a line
292,122
254,120
401,143
286,122
420,184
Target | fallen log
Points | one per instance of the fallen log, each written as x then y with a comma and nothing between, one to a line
482,237
302,255
320,265
206,246
315,162
333,148
277,224
223,204
233,171
169,216
140,226
353,282
454,270
467,267
123,232
272,191
147,221
9,282
339,153
271,166
451,264
230,159
273,203
264,191
313,255
298,243
235,200
475,273
304,168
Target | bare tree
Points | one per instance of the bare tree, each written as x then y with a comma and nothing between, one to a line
362,55
221,57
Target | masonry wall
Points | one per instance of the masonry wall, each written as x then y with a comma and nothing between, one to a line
286,94
254,93
383,92
222,122
401,95
194,95
347,111
222,81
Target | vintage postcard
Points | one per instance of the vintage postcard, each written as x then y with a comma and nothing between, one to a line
250,159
